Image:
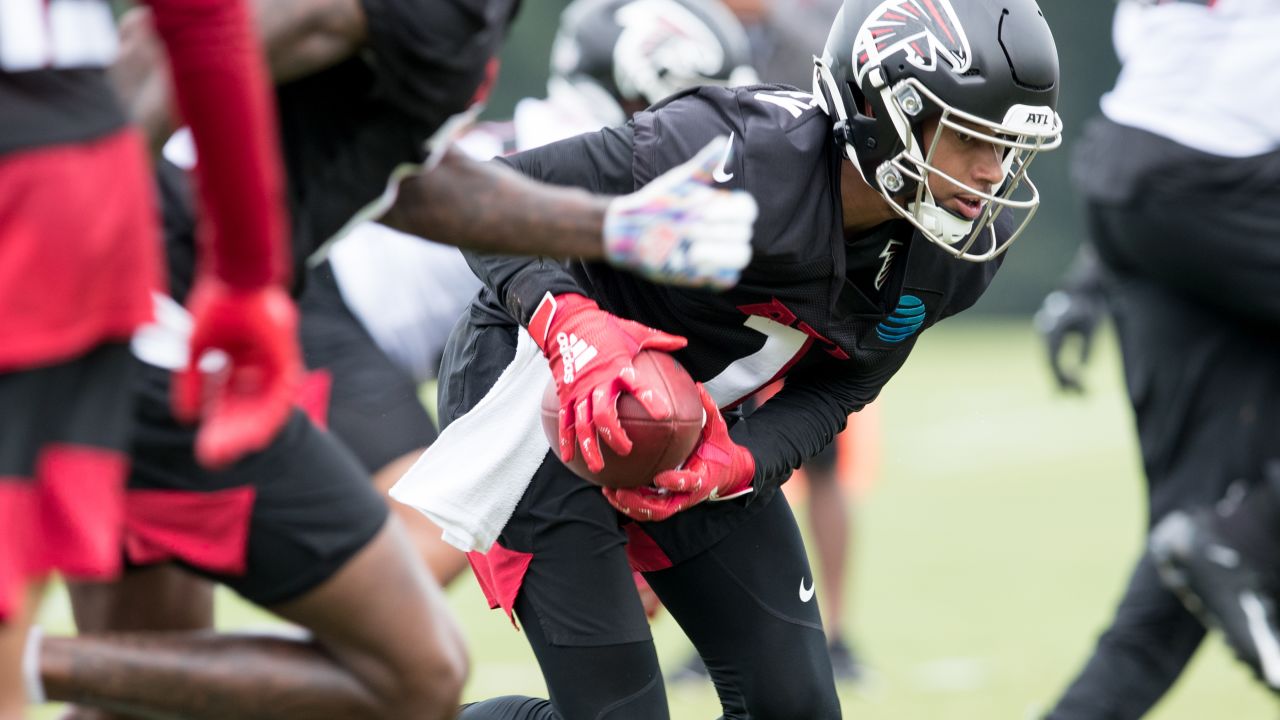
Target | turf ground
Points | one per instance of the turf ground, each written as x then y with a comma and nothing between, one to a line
988,555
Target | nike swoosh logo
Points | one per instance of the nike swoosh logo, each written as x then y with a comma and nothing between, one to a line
719,174
806,594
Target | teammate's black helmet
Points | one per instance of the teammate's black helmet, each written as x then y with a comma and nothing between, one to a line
613,51
992,65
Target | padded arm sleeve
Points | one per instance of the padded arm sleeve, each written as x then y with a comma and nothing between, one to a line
220,80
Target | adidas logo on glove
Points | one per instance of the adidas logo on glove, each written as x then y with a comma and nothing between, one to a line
574,353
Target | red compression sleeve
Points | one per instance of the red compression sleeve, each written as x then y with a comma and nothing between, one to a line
220,80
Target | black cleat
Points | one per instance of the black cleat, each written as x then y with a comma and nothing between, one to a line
1221,586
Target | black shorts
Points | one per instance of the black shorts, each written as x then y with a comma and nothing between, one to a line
1205,393
1201,226
373,407
63,434
271,527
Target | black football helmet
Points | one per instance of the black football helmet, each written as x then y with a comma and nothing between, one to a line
985,68
611,51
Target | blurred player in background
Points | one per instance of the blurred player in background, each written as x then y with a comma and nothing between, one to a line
860,245
78,262
297,528
1181,175
378,311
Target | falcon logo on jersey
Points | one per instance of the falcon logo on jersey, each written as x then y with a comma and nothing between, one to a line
890,250
904,321
925,30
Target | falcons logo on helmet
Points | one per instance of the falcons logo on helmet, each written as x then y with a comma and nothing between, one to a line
925,30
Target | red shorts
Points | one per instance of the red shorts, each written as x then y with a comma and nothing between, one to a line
63,435
79,248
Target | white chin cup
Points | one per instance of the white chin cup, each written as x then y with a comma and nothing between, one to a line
946,226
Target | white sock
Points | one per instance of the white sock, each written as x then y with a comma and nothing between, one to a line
31,667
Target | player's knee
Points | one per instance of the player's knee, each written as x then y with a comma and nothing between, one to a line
431,687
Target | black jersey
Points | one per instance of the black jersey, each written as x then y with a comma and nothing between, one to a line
53,88
345,128
837,317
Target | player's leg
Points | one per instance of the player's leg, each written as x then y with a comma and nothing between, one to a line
163,598
1149,641
157,597
748,606
363,662
324,553
577,602
14,627
62,469
372,406
296,528
1224,566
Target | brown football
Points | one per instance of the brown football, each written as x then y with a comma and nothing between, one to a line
657,444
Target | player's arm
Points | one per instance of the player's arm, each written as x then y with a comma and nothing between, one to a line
487,207
222,91
676,229
238,301
551,200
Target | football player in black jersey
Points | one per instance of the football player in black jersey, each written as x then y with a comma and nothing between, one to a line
887,199
297,528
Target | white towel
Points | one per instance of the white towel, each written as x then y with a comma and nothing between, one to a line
470,479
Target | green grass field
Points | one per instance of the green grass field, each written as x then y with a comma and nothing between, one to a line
988,555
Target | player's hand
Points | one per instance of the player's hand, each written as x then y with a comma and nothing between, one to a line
680,229
718,469
244,404
591,352
1064,315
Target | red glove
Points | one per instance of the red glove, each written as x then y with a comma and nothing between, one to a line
590,352
245,404
718,469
